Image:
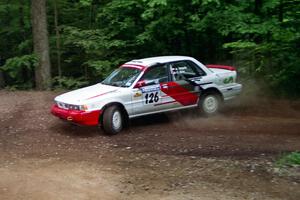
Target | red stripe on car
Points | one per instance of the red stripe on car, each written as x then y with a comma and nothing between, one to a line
164,103
180,94
141,67
222,67
100,94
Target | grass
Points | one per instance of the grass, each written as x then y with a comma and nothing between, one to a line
289,160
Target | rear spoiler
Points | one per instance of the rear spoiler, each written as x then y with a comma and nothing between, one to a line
230,68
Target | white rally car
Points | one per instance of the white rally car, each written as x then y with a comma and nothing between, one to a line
148,86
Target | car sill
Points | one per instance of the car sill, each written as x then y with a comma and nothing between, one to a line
160,111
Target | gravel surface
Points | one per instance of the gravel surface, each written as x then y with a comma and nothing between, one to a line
176,156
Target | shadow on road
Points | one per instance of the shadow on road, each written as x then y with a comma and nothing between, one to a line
148,120
74,130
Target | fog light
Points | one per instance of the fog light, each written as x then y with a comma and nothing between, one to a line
69,118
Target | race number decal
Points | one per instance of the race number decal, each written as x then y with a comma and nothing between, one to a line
151,94
151,97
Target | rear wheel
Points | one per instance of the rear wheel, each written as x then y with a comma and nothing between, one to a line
113,120
210,103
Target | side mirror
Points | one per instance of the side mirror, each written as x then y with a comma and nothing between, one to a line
143,83
140,84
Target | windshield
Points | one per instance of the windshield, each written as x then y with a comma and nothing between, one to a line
122,77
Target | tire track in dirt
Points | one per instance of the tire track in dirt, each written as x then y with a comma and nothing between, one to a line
10,126
175,156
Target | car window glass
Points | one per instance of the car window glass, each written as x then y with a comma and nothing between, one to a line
196,68
184,70
122,77
158,74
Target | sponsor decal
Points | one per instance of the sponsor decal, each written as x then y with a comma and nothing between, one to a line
152,88
228,80
179,70
137,94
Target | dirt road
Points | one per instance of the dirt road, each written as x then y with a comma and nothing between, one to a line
176,156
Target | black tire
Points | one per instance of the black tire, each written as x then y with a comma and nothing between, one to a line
113,120
210,103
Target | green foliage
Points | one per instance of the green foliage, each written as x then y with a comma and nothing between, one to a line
85,2
100,68
289,160
20,70
153,3
15,66
261,40
68,82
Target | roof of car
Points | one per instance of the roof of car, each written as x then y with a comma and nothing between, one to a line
147,62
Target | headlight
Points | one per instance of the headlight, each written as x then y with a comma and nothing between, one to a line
83,107
73,107
68,106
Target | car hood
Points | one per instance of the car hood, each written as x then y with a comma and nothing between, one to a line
83,95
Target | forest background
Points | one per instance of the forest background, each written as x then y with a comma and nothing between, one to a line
87,39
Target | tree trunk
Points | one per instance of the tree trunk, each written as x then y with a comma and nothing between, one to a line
258,5
40,44
57,33
2,83
280,11
21,19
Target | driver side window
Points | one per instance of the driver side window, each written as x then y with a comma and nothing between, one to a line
158,74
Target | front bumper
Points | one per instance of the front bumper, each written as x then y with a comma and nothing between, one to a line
88,118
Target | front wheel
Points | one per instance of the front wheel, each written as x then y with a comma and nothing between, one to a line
113,120
210,104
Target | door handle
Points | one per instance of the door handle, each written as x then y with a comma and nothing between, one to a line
173,86
165,86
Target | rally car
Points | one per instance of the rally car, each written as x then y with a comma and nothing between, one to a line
147,86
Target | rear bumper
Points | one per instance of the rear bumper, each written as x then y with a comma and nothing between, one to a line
88,118
232,91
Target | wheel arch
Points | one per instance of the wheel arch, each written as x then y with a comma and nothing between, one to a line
213,90
118,104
